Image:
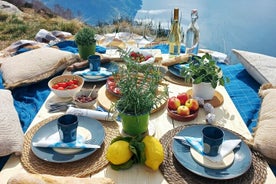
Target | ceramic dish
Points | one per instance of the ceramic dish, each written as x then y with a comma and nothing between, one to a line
66,86
48,154
241,163
175,71
178,117
113,89
145,54
110,67
82,97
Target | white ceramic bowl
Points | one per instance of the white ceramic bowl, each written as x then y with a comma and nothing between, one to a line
80,98
66,93
145,53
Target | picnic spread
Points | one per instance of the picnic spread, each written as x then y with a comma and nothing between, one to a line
28,66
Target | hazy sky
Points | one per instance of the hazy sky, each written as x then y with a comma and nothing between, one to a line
224,25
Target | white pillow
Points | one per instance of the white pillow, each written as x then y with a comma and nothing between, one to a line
261,67
35,65
11,134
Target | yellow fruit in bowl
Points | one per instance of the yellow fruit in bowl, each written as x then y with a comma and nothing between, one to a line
118,152
154,152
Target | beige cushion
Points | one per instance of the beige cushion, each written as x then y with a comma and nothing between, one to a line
34,66
265,133
261,67
11,134
27,178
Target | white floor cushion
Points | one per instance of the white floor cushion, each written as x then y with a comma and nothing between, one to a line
261,67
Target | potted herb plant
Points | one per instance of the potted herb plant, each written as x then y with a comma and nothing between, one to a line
85,40
205,76
139,88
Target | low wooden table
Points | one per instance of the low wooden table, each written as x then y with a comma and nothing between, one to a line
226,116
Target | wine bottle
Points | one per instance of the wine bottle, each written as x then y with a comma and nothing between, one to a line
192,34
175,35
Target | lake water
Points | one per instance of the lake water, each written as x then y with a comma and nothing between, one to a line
224,25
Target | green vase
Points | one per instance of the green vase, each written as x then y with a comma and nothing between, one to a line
86,50
135,124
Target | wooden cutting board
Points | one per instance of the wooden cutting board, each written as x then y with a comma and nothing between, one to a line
106,100
216,101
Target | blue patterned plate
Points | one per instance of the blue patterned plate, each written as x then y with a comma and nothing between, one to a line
94,76
175,69
242,160
48,154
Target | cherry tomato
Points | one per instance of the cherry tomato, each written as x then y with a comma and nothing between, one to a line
147,57
60,88
75,81
73,86
55,86
112,87
62,84
138,57
70,82
111,83
111,78
117,90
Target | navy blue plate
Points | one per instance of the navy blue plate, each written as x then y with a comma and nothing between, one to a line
242,161
48,154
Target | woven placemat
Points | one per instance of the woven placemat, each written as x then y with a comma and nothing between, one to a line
84,167
175,173
176,80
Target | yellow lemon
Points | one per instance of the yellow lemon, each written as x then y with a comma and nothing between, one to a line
118,152
154,152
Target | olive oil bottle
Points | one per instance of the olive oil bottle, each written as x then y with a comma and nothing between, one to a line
175,35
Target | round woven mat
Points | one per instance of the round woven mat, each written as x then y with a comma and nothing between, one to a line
175,173
216,101
176,80
86,166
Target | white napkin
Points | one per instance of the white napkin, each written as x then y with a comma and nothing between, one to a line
226,147
99,115
53,141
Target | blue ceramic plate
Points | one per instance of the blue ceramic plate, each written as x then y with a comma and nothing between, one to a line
242,160
48,154
110,67
173,70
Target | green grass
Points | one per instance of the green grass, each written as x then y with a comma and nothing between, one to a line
14,28
27,25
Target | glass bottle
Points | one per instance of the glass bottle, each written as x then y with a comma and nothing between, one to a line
192,34
175,35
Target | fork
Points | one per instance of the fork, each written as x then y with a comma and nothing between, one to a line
60,106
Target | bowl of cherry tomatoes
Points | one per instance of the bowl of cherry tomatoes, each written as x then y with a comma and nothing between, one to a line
66,86
142,57
112,87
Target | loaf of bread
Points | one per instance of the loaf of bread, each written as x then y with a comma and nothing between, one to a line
175,60
27,178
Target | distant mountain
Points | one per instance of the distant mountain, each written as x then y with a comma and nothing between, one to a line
97,11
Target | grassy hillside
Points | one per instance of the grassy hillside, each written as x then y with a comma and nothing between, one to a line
25,26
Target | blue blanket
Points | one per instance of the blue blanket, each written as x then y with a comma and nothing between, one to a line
243,90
